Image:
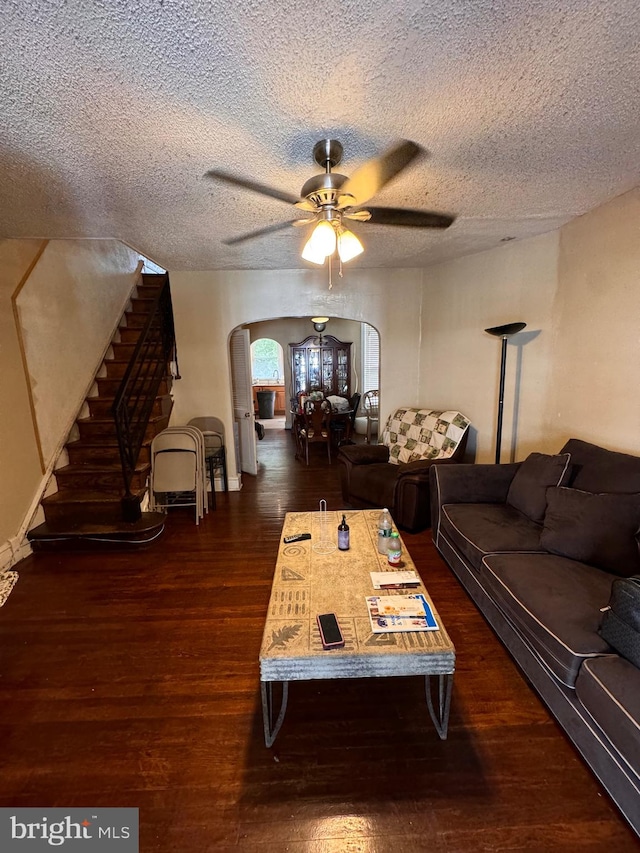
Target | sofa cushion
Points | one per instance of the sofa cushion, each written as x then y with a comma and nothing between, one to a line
528,489
479,529
594,528
595,469
413,434
609,689
555,604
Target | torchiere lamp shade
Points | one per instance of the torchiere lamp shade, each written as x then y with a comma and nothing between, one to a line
506,330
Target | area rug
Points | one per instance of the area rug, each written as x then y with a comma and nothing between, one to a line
8,580
273,423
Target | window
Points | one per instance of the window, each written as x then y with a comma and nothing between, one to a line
150,266
370,358
267,364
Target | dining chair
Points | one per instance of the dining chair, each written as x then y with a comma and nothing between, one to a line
316,426
370,403
343,427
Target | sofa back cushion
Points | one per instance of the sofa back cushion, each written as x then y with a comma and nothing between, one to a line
598,529
528,489
414,434
595,469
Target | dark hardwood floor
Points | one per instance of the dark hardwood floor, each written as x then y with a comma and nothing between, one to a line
131,679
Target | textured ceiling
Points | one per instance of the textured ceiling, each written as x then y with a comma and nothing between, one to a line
113,110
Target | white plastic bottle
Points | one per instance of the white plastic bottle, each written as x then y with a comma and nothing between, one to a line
385,526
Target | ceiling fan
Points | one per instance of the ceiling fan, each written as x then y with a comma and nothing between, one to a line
332,198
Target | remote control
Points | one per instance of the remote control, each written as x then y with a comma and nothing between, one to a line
297,538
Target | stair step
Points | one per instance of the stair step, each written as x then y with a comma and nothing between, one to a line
154,279
71,509
91,428
85,451
123,350
117,367
142,304
97,536
99,476
136,319
101,406
108,385
129,335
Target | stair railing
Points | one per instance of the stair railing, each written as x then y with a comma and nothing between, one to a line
133,404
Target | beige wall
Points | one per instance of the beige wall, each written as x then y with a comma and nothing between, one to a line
461,362
68,309
68,305
20,470
209,305
596,350
575,368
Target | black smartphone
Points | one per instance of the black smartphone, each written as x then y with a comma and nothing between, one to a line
330,632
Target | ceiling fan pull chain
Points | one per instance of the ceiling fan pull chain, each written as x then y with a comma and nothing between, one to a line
340,268
330,279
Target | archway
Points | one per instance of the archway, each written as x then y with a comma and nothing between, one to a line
284,331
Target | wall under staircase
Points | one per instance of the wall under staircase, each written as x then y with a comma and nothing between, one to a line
86,508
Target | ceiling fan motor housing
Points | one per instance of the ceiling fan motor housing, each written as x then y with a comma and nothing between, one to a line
323,190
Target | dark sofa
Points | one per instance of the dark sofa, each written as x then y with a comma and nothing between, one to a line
537,546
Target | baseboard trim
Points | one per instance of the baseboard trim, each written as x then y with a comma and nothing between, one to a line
12,552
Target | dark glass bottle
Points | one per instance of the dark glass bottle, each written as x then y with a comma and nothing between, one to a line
343,535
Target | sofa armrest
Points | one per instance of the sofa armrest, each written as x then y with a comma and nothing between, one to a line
360,454
468,484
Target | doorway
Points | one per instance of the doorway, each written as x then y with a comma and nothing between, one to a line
267,378
284,331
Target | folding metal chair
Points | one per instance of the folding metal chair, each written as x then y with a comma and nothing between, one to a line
177,470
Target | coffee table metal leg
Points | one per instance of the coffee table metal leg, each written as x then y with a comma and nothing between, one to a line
271,730
441,719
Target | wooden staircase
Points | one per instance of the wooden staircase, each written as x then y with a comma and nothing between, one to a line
86,510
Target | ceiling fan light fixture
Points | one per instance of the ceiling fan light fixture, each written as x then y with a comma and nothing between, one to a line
349,246
321,244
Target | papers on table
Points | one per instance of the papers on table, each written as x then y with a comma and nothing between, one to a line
394,580
390,613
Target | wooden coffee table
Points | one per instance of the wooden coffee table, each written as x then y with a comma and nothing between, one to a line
307,583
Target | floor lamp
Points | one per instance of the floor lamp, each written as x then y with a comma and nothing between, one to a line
503,332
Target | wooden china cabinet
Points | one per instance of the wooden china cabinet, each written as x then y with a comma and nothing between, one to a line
321,363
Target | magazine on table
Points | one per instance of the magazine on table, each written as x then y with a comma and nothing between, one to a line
394,580
391,613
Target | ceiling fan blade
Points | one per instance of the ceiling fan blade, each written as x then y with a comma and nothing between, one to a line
299,222
259,232
409,218
254,186
306,205
358,215
373,175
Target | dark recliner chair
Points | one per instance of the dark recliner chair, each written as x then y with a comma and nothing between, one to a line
395,473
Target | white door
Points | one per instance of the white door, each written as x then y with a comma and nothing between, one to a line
243,400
